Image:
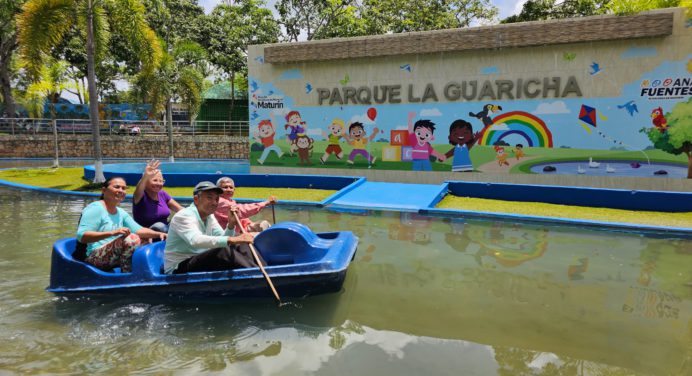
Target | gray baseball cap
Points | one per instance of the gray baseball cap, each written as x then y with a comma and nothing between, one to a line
206,186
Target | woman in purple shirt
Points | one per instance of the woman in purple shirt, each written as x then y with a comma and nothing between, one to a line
151,204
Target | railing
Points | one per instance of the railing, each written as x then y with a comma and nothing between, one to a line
123,127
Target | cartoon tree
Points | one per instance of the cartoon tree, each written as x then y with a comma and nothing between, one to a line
678,136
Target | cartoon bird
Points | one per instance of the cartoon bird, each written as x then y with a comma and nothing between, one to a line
630,107
260,59
253,115
659,120
254,86
406,67
595,68
308,88
345,80
483,115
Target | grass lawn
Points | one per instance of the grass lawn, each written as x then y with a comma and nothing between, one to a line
70,179
566,211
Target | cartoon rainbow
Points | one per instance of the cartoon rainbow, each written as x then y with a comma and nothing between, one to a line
522,123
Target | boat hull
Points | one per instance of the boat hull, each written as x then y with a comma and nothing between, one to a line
300,263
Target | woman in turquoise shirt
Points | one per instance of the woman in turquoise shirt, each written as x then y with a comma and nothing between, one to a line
111,235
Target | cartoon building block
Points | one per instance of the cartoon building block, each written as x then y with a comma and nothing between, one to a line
391,153
399,137
406,154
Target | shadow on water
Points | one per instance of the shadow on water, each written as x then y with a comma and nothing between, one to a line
320,311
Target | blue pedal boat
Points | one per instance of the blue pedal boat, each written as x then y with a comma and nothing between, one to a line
299,263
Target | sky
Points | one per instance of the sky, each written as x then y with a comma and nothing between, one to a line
506,7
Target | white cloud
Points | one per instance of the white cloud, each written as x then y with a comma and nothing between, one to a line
500,127
430,112
557,107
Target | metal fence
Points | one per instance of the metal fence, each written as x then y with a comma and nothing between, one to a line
123,127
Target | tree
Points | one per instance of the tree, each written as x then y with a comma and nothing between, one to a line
8,45
319,19
53,79
534,10
178,76
44,23
392,16
187,24
228,31
677,137
634,6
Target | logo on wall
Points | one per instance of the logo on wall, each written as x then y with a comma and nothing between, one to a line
264,101
666,88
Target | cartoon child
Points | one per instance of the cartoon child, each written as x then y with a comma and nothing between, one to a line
303,145
462,137
265,136
336,130
419,136
501,156
357,138
519,151
297,126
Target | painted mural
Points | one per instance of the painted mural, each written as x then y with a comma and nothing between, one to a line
556,124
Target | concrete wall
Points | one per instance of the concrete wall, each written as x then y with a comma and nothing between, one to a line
75,146
565,90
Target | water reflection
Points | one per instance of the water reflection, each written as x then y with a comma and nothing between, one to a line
423,295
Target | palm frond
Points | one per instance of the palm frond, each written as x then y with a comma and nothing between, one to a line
190,87
128,17
42,25
101,27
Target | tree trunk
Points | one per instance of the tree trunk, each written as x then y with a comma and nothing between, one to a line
93,96
230,115
169,117
56,160
6,84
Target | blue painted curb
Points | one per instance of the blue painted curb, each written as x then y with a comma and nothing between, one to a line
661,201
678,231
511,192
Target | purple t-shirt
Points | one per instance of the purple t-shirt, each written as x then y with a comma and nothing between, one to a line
148,211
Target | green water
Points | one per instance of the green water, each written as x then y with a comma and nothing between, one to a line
435,296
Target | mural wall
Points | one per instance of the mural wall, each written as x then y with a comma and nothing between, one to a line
605,108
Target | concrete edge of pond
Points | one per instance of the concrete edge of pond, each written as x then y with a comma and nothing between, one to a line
426,208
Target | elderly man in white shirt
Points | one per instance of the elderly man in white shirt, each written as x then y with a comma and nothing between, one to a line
196,242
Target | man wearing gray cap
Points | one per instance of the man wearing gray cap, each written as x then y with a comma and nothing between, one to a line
196,242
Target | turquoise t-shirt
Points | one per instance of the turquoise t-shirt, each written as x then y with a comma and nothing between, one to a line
95,217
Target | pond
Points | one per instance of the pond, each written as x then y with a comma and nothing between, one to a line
424,295
614,168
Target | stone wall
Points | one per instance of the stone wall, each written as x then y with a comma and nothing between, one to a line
143,146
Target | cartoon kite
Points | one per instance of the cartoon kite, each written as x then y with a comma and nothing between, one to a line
588,115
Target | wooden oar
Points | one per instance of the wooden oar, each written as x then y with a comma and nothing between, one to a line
273,215
258,261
